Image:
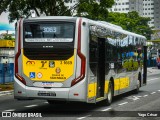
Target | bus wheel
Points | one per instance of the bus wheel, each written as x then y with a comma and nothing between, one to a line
110,93
138,84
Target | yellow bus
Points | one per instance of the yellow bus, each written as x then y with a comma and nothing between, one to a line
63,58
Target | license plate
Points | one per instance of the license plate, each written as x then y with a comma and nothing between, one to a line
43,93
47,84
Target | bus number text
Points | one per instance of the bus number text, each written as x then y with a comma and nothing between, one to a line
66,62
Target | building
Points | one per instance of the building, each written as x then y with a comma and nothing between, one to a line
136,5
7,51
157,14
6,61
145,8
148,11
121,6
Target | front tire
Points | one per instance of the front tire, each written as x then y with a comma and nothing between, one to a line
136,91
138,84
110,93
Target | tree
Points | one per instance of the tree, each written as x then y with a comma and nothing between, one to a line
93,9
22,8
131,21
8,37
87,8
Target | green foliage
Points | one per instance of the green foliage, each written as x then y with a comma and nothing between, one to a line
131,22
86,8
8,37
21,8
93,10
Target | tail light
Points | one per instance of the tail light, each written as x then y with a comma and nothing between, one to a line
82,57
21,79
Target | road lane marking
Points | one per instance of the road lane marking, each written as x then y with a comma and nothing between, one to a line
134,97
106,109
152,79
80,118
123,103
145,95
10,110
159,90
31,106
46,102
153,92
138,96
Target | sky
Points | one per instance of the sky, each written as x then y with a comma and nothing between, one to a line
4,24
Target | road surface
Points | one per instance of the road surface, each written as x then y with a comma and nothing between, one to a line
144,105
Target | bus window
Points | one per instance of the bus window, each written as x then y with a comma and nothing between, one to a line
93,54
47,40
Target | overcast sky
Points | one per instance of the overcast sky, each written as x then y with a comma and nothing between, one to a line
4,19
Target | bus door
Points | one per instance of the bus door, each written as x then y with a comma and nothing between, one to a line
101,68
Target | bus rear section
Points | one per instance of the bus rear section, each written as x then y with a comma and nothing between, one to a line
48,63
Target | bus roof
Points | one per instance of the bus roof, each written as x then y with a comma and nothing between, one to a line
114,28
52,17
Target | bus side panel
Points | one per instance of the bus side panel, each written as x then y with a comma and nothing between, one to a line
92,90
19,89
78,91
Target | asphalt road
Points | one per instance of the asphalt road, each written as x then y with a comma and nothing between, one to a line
144,105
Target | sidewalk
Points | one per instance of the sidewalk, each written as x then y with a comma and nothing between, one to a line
153,70
6,89
9,92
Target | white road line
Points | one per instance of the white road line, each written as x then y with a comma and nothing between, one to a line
136,99
152,79
31,106
106,109
133,98
145,95
153,92
46,102
138,96
10,110
159,90
83,117
123,103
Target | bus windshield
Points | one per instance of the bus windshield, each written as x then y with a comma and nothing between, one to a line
48,40
46,30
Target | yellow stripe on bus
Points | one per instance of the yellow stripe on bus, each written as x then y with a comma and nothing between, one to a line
92,88
119,84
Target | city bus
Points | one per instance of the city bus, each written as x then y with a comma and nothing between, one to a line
64,58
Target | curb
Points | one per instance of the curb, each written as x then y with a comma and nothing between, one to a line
6,92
